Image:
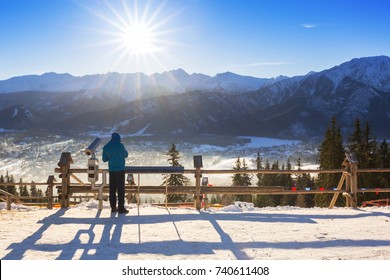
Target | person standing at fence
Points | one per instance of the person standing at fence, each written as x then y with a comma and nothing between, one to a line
115,153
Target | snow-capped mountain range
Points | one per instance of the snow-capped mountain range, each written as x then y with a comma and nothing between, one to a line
132,86
178,103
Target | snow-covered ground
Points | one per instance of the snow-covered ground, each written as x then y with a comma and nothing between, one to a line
231,233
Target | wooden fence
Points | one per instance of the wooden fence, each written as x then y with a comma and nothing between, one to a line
70,183
7,197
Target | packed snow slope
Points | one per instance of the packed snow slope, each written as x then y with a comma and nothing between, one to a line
229,233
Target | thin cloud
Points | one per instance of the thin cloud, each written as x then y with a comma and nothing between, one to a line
309,26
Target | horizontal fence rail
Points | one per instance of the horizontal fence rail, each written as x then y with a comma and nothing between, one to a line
155,170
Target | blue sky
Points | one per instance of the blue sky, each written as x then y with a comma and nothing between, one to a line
260,38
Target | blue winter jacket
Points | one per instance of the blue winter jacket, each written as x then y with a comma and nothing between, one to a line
115,153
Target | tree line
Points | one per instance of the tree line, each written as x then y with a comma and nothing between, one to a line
22,190
331,153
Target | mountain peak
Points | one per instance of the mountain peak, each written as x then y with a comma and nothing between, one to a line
227,74
365,62
54,74
372,71
179,71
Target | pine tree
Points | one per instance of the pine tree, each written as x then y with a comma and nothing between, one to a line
245,178
33,191
365,148
23,191
384,155
175,179
384,162
331,156
356,139
9,188
40,194
267,178
287,183
366,157
237,177
304,180
272,179
245,181
2,181
276,180
262,200
266,181
242,179
286,178
259,166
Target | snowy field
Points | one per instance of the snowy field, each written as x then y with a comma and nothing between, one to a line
230,233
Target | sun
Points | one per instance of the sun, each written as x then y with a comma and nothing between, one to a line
136,31
139,39
137,34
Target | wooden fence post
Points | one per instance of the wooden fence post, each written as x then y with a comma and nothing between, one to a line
198,164
351,163
354,185
9,201
8,198
198,176
348,201
50,182
64,164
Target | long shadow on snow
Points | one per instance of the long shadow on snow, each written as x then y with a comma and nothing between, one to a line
111,247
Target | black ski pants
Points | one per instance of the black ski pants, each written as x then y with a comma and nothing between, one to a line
117,185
